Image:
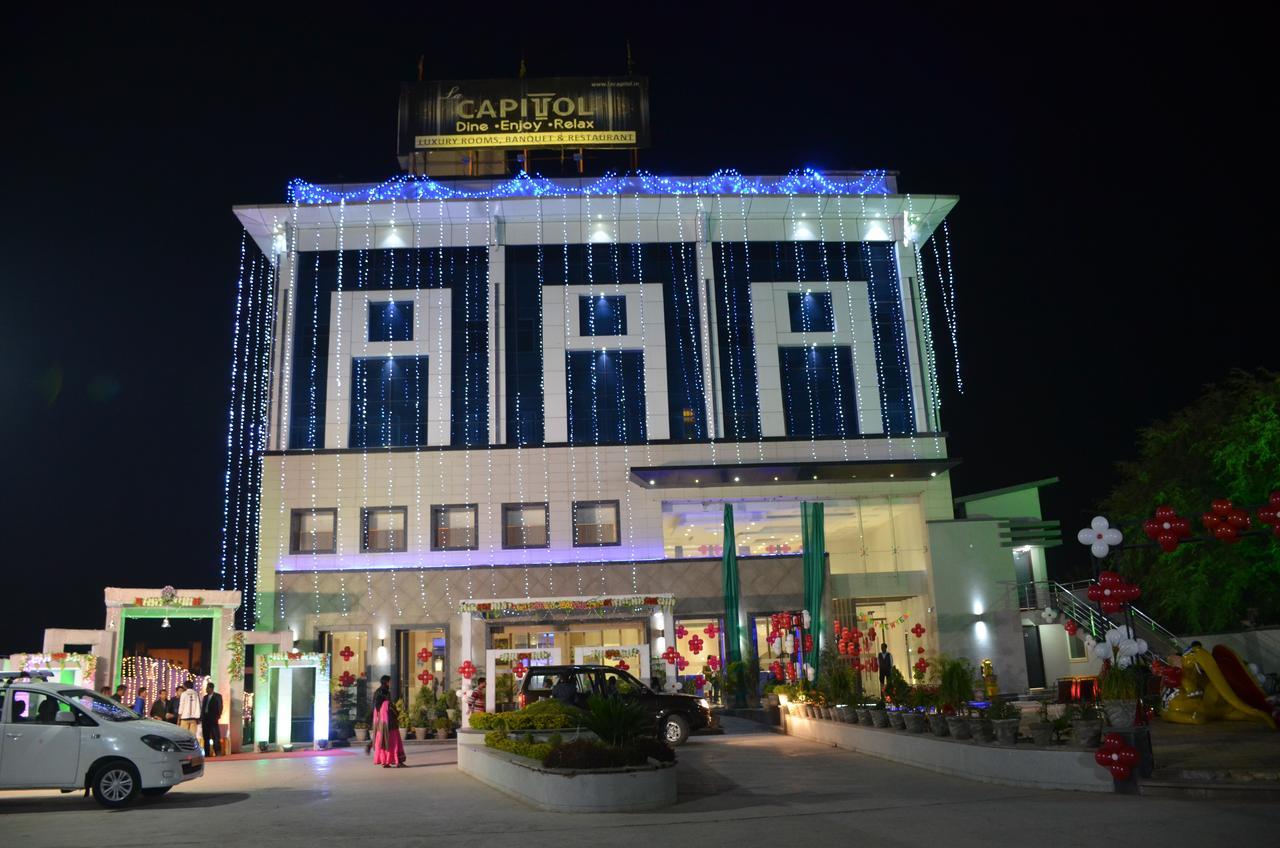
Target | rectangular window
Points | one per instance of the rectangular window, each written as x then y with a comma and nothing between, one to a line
811,312
524,525
391,321
313,531
388,401
595,524
602,315
1075,649
453,527
384,529
606,397
817,391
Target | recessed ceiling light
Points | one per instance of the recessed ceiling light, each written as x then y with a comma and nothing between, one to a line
890,473
933,474
815,476
775,477
737,479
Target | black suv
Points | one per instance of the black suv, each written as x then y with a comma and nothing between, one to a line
674,716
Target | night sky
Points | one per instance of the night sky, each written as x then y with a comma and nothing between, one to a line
1109,243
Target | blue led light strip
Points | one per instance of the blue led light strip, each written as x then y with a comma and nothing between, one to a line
405,187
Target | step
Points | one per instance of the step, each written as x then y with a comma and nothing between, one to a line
1262,790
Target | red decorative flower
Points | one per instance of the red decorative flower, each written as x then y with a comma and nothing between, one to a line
681,632
1070,626
671,655
1226,521
424,655
713,662
1270,514
681,663
871,634
467,669
921,665
920,650
519,670
857,665
622,665
695,645
346,653
711,630
808,641
1167,529
699,681
58,656
918,631
1116,756
1111,592
425,676
347,678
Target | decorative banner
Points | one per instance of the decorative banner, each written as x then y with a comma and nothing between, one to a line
196,601
605,603
550,112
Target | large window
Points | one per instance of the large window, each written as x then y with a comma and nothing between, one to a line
606,397
811,312
595,524
388,401
384,529
524,525
313,531
817,391
453,527
602,315
391,321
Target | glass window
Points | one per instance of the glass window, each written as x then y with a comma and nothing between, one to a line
606,397
391,321
1075,649
602,315
524,525
453,527
595,524
817,391
384,529
313,531
811,312
388,401
686,389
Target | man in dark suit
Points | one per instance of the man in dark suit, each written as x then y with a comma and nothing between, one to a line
210,713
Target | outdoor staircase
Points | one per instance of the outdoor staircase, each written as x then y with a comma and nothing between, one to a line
1073,600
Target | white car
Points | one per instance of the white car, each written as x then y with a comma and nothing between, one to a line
54,736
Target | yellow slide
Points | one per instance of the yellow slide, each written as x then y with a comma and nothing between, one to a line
1205,695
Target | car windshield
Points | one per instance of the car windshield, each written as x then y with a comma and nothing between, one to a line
98,706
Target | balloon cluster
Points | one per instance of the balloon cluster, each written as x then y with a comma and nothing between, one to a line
1116,756
1112,593
848,640
1270,514
699,682
467,669
711,630
713,662
1120,647
695,645
1100,536
918,630
1070,626
681,631
519,670
921,666
1170,675
1225,521
1167,529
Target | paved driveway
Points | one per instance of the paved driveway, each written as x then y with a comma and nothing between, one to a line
746,788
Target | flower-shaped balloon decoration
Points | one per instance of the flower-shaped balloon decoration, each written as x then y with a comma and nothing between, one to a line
1167,529
711,630
681,632
1270,514
921,666
1120,647
857,665
917,631
808,641
1226,521
622,666
920,650
1100,536
1116,756
347,679
699,682
1070,626
467,669
1112,593
777,670
519,670
713,662
346,653
424,676
695,645
1048,615
671,654
871,634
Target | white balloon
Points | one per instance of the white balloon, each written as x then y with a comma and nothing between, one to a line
1123,661
1129,648
1102,651
1086,536
1112,536
805,614
1089,644
1100,549
1116,635
1141,645
1099,523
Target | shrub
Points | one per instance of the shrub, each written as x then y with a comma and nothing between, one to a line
499,740
1003,710
548,714
615,721
955,677
655,749
589,754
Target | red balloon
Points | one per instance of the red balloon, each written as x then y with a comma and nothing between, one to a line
1152,528
1109,578
1168,542
1222,506
1274,500
1180,527
1164,513
1210,520
1226,533
1111,606
1238,518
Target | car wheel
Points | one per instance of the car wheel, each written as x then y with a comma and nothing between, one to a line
675,730
115,784
156,791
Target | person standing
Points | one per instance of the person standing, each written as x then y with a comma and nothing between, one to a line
210,714
160,707
476,698
189,709
119,696
140,702
884,660
171,705
387,744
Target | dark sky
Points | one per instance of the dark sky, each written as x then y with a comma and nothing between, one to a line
1109,239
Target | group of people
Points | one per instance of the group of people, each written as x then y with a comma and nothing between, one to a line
184,707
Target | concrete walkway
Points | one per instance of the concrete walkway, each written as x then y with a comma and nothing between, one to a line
746,788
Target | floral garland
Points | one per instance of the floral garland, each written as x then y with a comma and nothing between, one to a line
292,659
490,609
235,669
87,663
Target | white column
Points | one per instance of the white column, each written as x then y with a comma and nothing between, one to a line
284,706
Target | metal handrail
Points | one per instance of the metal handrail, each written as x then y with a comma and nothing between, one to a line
1070,599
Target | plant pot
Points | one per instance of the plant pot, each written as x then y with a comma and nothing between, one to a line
827,714
1042,733
362,734
1120,713
401,731
896,719
264,747
914,722
864,717
771,700
938,724
979,730
958,726
1006,731
879,718
1086,732
321,744
420,733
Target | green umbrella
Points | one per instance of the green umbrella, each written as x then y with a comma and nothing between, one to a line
815,573
732,630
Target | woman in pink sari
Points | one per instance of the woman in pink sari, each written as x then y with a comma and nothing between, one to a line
388,748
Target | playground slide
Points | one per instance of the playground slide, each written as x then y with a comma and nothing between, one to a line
1206,695
1239,678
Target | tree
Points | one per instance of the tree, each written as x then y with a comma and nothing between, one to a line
1225,444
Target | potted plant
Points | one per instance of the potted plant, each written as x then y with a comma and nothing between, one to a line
1042,728
424,707
736,683
264,747
897,718
913,719
444,727
1118,691
361,728
449,698
979,726
954,676
1086,725
402,717
879,717
1005,718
